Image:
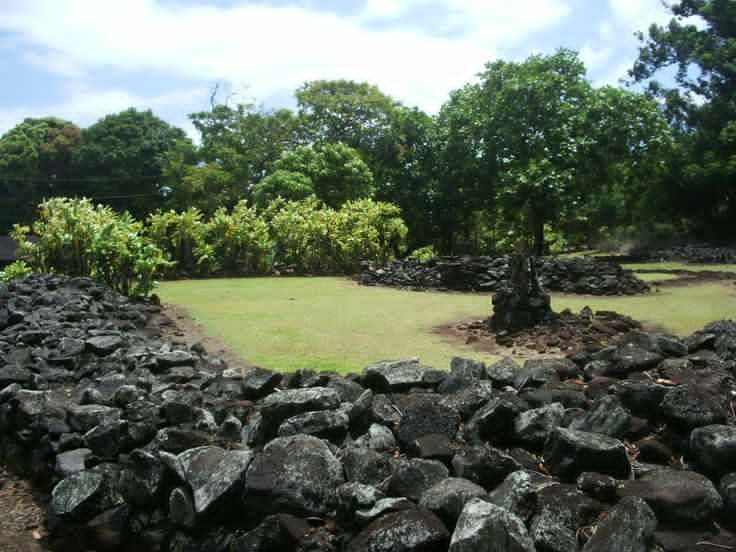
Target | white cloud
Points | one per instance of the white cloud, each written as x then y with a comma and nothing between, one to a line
276,49
638,15
84,106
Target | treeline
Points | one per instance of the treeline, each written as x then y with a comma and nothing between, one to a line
80,238
529,149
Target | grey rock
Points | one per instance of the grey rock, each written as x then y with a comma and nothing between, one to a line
532,427
629,526
518,492
181,508
210,472
367,466
506,372
278,407
484,465
426,416
381,507
448,497
71,461
411,478
394,375
297,475
74,494
568,453
676,496
605,416
713,448
689,406
485,527
404,531
104,345
326,424
259,382
82,418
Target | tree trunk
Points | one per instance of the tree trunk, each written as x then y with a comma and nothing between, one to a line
538,247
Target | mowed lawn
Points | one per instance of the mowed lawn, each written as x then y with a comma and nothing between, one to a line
335,324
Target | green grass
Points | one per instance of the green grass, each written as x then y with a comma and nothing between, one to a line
671,265
332,323
656,276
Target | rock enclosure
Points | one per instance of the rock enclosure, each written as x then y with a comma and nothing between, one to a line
580,275
146,445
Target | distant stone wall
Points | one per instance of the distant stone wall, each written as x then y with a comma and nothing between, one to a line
150,446
587,276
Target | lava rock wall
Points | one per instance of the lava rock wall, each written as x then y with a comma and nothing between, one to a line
146,445
579,275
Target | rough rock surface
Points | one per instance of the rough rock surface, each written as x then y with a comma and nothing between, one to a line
158,446
589,276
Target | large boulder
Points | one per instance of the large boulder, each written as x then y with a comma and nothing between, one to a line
390,376
713,448
210,472
278,407
676,496
568,453
447,498
404,531
485,527
629,526
297,475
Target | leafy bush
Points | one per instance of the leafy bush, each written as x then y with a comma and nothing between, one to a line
237,242
81,239
180,235
423,253
314,238
15,271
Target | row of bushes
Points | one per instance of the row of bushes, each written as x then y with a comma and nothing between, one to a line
78,238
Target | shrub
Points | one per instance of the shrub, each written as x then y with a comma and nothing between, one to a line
237,242
15,271
423,253
78,238
180,235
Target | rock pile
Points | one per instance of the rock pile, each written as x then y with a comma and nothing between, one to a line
690,253
580,275
151,446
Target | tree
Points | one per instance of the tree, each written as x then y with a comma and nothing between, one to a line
335,173
356,114
244,143
35,158
123,156
702,107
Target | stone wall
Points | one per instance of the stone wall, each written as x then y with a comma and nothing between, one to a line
147,445
587,276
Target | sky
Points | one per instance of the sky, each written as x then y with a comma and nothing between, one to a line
82,59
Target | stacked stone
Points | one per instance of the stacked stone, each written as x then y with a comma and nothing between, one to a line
580,275
147,445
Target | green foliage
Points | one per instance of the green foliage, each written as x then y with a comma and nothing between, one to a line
78,238
284,184
423,253
122,157
179,235
15,271
335,173
702,107
33,156
314,238
236,242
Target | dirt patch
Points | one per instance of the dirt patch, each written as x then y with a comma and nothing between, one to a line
565,333
176,325
23,513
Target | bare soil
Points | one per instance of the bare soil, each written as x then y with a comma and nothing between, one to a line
176,325
21,516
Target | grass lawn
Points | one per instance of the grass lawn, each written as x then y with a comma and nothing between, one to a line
332,323
656,276
673,265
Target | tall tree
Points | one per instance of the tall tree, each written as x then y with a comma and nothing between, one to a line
35,159
121,159
700,42
335,173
